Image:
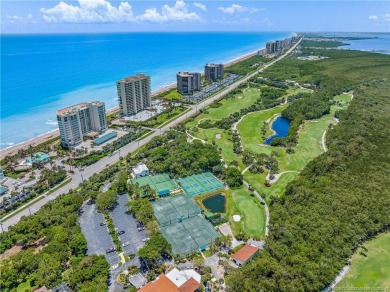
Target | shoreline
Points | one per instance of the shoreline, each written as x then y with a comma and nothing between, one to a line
13,149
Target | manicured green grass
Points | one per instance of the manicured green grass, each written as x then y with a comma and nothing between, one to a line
224,143
250,128
229,106
276,189
343,101
242,202
173,95
163,117
371,269
23,287
308,147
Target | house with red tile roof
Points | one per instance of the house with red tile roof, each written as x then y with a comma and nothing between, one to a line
244,254
174,281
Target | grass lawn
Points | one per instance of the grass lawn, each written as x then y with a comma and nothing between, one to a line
276,189
163,117
241,202
225,143
173,95
229,106
372,270
342,102
309,141
23,287
308,147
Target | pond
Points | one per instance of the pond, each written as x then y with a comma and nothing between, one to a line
216,203
280,126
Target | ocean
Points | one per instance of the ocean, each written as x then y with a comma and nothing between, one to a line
43,73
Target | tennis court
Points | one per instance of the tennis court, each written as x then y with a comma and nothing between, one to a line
182,224
161,183
200,184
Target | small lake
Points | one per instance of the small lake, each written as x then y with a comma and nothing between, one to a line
280,126
216,203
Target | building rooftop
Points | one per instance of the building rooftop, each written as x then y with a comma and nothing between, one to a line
61,288
161,284
181,277
134,78
72,109
189,286
245,253
213,64
174,281
97,103
139,168
76,107
185,73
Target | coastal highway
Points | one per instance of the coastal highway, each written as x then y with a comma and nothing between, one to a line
78,177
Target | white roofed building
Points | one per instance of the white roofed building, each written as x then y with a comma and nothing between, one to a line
140,170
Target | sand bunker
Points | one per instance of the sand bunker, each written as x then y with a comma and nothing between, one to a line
236,218
218,136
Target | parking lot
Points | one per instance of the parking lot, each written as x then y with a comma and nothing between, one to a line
127,223
98,238
211,89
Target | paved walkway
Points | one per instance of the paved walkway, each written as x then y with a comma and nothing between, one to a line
323,141
278,175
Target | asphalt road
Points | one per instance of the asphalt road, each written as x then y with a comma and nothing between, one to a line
78,177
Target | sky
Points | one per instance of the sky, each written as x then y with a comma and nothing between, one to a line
91,16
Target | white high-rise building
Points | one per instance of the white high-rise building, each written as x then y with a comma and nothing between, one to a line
134,94
76,121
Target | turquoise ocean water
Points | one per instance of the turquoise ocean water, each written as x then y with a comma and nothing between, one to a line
43,73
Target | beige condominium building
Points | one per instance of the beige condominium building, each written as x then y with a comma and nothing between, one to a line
188,82
213,71
76,121
134,94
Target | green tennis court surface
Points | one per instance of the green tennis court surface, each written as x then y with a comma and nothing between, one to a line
200,184
161,183
182,224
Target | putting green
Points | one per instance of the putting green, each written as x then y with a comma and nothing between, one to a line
240,202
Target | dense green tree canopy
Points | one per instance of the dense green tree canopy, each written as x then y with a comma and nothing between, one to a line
342,197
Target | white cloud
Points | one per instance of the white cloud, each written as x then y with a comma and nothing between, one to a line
380,18
200,6
177,12
19,19
89,11
373,17
102,11
236,8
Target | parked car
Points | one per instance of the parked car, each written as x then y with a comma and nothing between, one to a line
111,249
121,232
102,223
141,228
145,239
126,243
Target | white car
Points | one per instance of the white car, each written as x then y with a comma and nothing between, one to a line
145,239
126,243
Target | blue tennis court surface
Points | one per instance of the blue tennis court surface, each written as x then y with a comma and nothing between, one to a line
199,184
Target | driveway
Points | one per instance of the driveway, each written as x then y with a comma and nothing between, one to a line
98,238
127,223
